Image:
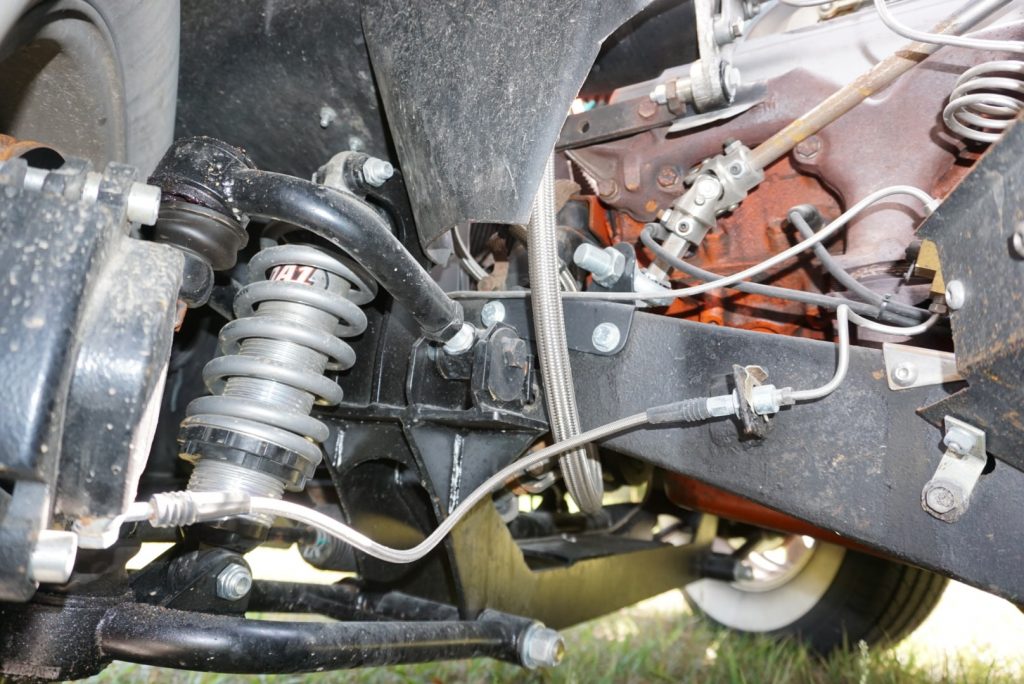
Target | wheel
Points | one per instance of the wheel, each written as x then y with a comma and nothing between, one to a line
825,595
91,78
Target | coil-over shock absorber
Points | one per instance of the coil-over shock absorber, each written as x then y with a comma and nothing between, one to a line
255,434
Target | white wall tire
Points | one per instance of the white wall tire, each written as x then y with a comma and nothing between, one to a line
740,608
834,600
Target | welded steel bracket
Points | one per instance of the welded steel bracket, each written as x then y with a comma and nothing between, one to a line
908,367
947,495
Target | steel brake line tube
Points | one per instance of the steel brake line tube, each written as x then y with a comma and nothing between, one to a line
945,39
171,509
842,361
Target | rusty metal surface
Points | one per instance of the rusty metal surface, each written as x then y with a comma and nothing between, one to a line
895,137
974,231
743,238
866,85
643,174
11,148
868,148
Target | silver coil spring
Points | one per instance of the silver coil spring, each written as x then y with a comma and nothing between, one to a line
288,330
986,100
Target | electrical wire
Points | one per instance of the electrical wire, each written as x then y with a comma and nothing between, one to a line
944,38
796,218
828,231
902,331
470,265
825,301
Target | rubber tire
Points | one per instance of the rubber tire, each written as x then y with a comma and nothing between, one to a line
144,39
870,599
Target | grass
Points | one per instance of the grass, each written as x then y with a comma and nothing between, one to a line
971,637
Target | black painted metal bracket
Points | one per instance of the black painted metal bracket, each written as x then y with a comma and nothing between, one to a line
853,462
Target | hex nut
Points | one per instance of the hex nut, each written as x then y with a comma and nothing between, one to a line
376,172
959,441
462,341
541,647
143,203
234,582
53,557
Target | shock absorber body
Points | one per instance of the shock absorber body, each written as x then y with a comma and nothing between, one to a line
254,434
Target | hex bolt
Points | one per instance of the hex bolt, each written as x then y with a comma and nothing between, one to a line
541,647
607,188
956,294
607,265
940,499
327,116
606,337
376,172
493,312
668,176
593,260
1018,240
808,148
647,108
234,582
904,374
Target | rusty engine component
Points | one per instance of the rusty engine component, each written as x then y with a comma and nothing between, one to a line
637,177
